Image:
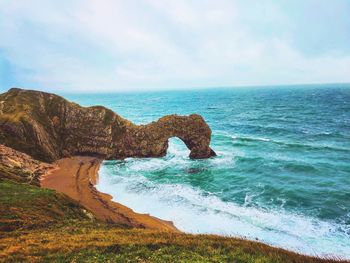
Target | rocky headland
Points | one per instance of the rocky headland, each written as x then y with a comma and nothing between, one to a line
48,127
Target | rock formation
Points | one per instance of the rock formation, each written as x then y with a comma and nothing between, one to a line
48,127
20,167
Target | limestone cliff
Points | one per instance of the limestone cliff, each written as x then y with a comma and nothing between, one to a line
48,127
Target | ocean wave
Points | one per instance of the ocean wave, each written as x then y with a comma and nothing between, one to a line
178,156
300,167
142,185
239,139
196,211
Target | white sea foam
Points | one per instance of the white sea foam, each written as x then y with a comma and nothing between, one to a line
195,211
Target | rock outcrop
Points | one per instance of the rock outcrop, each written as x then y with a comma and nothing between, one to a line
20,167
48,127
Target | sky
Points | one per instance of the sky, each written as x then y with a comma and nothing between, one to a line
136,45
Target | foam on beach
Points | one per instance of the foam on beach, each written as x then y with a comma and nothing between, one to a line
196,211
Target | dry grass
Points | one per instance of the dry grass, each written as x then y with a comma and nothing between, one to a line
104,243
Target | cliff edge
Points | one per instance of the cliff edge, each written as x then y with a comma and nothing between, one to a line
48,127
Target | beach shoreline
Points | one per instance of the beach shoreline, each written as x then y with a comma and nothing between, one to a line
77,176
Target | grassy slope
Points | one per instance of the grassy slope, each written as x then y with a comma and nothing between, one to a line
41,225
103,243
29,207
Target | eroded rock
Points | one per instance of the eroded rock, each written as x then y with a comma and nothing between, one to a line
20,167
49,127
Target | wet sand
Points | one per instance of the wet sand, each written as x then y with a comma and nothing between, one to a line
77,177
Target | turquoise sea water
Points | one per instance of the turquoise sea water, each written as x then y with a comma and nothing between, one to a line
282,174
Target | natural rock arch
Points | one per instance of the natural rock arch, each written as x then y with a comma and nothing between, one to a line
48,127
151,140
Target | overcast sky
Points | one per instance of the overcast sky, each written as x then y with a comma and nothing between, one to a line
100,45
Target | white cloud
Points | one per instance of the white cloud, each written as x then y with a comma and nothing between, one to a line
150,44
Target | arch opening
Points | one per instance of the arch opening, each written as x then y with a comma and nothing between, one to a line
177,147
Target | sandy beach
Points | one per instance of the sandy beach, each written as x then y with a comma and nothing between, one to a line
77,177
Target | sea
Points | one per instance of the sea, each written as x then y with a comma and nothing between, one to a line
281,175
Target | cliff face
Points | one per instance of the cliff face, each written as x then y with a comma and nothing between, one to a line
19,167
48,127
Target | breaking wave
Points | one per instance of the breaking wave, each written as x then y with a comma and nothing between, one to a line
142,185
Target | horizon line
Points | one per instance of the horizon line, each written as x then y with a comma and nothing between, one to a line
184,89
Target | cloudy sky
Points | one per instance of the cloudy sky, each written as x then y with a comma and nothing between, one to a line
101,45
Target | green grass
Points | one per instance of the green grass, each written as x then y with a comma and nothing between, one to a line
24,206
